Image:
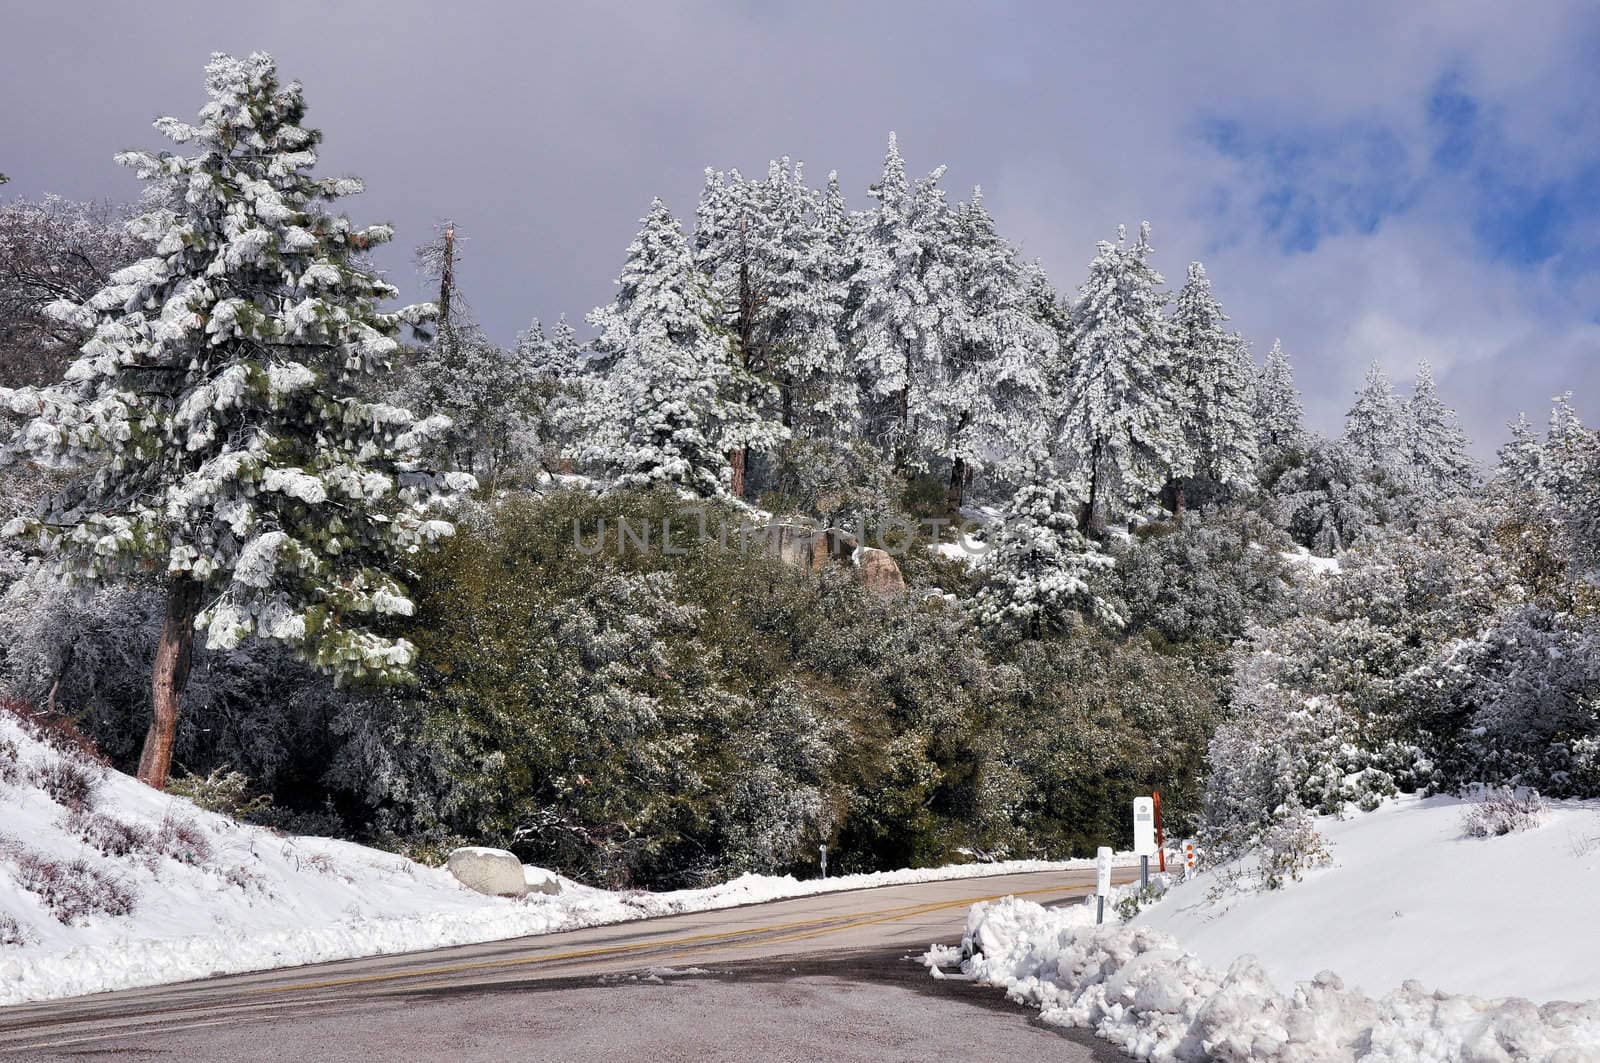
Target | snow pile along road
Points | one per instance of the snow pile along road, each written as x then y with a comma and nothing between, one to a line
1137,988
106,884
1222,969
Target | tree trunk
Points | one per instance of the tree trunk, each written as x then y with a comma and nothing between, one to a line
447,278
953,495
168,677
902,448
1172,497
1086,522
736,459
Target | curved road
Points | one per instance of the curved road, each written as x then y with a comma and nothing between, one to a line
829,977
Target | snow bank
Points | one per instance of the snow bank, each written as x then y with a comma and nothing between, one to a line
1221,969
1409,895
136,888
1135,987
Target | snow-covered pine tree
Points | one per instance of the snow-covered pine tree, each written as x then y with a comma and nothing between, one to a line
1569,479
673,402
1436,447
993,387
1216,373
770,263
1280,419
220,410
1120,429
905,296
1375,427
554,366
1037,575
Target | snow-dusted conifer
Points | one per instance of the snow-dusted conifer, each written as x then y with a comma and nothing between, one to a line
772,269
1436,447
673,402
1280,419
905,297
1215,371
993,386
1038,574
220,409
1120,427
1375,426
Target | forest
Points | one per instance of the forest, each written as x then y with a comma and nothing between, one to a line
318,560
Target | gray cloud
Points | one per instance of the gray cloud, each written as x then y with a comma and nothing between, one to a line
545,129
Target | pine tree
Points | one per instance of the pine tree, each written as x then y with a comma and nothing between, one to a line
1375,426
1038,574
1120,422
1436,447
673,403
905,297
1216,373
770,262
220,408
1280,420
993,386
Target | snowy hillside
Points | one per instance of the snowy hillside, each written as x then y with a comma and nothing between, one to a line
107,884
1417,943
1409,896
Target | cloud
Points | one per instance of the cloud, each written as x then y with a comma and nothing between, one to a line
1364,179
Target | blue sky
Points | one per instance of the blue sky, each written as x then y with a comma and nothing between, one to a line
1365,180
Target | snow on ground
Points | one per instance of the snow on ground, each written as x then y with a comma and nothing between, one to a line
106,884
1460,935
1410,896
1321,566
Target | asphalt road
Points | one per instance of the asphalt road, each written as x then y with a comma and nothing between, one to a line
830,977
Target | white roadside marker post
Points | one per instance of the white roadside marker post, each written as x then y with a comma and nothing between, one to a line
1144,835
823,849
1102,880
1188,858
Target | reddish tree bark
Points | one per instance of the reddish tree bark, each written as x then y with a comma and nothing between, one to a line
168,677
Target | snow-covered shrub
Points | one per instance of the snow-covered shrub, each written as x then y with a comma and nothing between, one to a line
1327,501
11,932
108,835
1204,582
10,762
1290,848
182,840
221,790
69,783
70,889
1503,810
1132,900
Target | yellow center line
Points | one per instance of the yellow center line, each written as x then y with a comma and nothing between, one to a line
816,928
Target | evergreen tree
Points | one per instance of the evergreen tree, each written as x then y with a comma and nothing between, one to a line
1215,370
1436,447
905,297
221,412
770,263
1375,426
1120,423
673,403
994,384
1280,420
1038,574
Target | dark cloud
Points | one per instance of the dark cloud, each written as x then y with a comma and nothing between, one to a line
545,129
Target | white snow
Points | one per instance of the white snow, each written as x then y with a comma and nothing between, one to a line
219,897
1456,939
1321,566
1410,896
